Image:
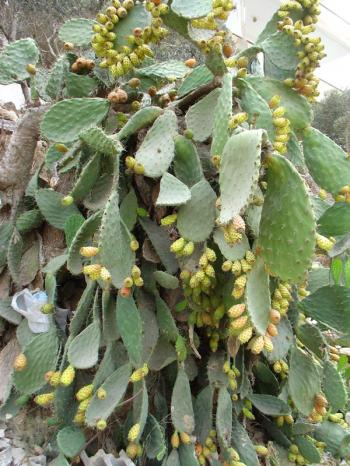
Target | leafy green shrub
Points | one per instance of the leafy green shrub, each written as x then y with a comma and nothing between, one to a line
204,310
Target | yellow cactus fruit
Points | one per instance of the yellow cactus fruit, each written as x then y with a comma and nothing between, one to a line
250,257
67,376
89,251
322,194
105,275
238,223
289,419
188,249
136,376
237,293
236,311
209,271
275,101
139,169
178,245
245,266
185,438
101,424
134,432
101,394
79,418
130,162
191,62
92,271
324,243
236,268
83,405
168,220
275,316
261,450
268,345
241,281
134,245
239,323
245,335
175,440
138,282
20,362
44,399
285,293
47,308
320,400
132,450
84,393
280,421
55,379
226,367
277,367
67,201
256,345
211,255
226,266
272,330
62,148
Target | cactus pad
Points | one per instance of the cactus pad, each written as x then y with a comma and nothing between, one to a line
200,76
14,60
83,350
131,328
195,9
172,191
181,404
78,31
222,114
199,118
187,165
287,223
50,205
144,117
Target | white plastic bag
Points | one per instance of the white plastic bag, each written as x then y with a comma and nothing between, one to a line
28,305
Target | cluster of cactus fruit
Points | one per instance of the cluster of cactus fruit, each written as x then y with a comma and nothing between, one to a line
206,309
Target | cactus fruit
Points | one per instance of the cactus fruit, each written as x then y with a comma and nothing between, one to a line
44,399
85,392
67,376
20,362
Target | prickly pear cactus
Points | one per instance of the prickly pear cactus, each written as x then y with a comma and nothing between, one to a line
205,306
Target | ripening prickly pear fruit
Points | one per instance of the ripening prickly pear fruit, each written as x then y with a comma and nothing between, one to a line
178,245
134,83
134,245
241,282
275,316
83,405
31,69
79,418
320,400
236,311
324,243
280,421
61,148
134,432
136,376
191,62
272,330
139,169
101,424
245,335
125,292
168,220
89,251
68,46
130,162
239,323
101,394
105,274
93,271
138,282
55,379
261,450
188,249
211,255
248,414
256,345
44,399
20,362
67,201
132,450
118,96
47,308
275,101
67,376
84,393
268,345
289,419
185,438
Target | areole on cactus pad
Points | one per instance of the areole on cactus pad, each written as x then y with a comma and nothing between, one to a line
204,310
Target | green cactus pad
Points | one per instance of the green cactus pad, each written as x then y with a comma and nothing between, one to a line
70,441
172,69
41,353
199,118
239,172
259,112
330,306
304,381
137,17
232,253
128,209
78,31
83,349
144,117
224,417
282,342
242,443
99,142
55,264
334,387
155,445
157,149
311,336
56,77
298,110
200,76
172,191
14,60
196,219
187,165
161,243
280,50
215,62
110,330
269,405
336,220
166,280
71,227
308,449
119,258
257,296
334,436
166,322
60,460
29,221
50,205
131,328
140,405
65,120
82,310
295,153
181,404
222,114
187,455
15,252
87,179
287,228
80,85
327,162
173,459
115,386
203,413
195,9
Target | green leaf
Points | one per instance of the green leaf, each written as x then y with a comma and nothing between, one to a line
327,162
41,353
242,443
157,149
99,142
200,76
116,254
83,350
196,219
195,9
57,76
222,115
279,48
78,31
78,85
187,165
239,172
257,296
330,306
65,120
224,416
87,179
115,386
312,338
287,228
128,209
14,59
182,415
131,328
70,441
334,387
144,117
50,205
270,405
109,317
200,116
304,381
172,191
298,111
172,69
72,225
335,221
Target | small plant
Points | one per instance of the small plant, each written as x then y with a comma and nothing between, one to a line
196,238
